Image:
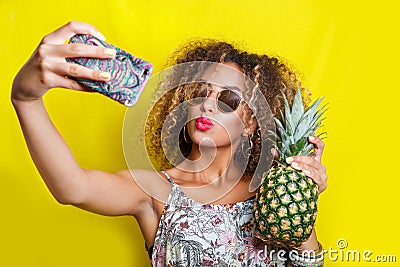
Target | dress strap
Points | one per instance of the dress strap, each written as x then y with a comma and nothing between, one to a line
168,177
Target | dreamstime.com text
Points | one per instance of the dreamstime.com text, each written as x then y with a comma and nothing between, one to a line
342,254
339,254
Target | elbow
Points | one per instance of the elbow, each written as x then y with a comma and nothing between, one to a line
64,200
73,199
72,193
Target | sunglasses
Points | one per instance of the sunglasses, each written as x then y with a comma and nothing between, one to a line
228,99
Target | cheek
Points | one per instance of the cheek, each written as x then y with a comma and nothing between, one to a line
193,113
233,128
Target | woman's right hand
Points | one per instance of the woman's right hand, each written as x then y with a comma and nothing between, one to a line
47,67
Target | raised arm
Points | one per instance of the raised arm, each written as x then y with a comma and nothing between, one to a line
96,191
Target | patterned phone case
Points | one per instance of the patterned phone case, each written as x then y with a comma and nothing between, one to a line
129,74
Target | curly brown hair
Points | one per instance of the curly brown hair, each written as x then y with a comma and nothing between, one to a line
269,75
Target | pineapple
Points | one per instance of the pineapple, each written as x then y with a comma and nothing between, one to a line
286,202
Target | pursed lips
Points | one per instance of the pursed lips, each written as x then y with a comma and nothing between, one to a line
203,123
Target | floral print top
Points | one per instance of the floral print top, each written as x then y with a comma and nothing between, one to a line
194,234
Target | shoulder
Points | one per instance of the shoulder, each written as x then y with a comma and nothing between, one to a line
139,174
152,183
124,174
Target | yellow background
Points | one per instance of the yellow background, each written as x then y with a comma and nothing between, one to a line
346,51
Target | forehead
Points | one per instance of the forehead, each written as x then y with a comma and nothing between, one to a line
227,75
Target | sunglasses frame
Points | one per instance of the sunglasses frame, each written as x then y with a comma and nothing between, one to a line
224,88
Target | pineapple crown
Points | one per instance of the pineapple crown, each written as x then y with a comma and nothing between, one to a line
296,126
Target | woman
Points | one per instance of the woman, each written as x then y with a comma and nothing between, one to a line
205,187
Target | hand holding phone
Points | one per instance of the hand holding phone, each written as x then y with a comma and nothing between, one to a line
129,74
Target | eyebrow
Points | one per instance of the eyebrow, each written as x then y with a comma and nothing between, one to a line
228,87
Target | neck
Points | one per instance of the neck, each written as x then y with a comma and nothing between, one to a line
211,164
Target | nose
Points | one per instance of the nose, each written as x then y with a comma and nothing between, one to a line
210,102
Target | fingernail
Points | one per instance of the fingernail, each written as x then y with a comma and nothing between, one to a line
295,165
110,52
306,172
105,75
100,36
289,160
311,138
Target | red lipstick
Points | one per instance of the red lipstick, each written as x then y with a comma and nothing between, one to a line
203,123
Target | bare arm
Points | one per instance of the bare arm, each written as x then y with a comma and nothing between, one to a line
97,191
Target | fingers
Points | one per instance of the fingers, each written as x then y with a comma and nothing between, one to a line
64,82
75,70
70,29
51,60
311,168
53,80
318,176
77,50
319,146
47,67
306,160
57,76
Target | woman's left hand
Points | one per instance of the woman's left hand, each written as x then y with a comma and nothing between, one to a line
311,165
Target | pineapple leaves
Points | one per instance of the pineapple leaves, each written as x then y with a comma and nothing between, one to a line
296,126
298,147
285,135
288,116
298,107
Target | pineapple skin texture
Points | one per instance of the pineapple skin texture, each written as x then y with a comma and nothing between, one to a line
285,208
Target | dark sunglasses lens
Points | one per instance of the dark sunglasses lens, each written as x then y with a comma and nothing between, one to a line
228,101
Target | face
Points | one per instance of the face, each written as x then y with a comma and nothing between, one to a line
209,121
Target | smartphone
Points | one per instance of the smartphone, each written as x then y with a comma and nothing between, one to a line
129,74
